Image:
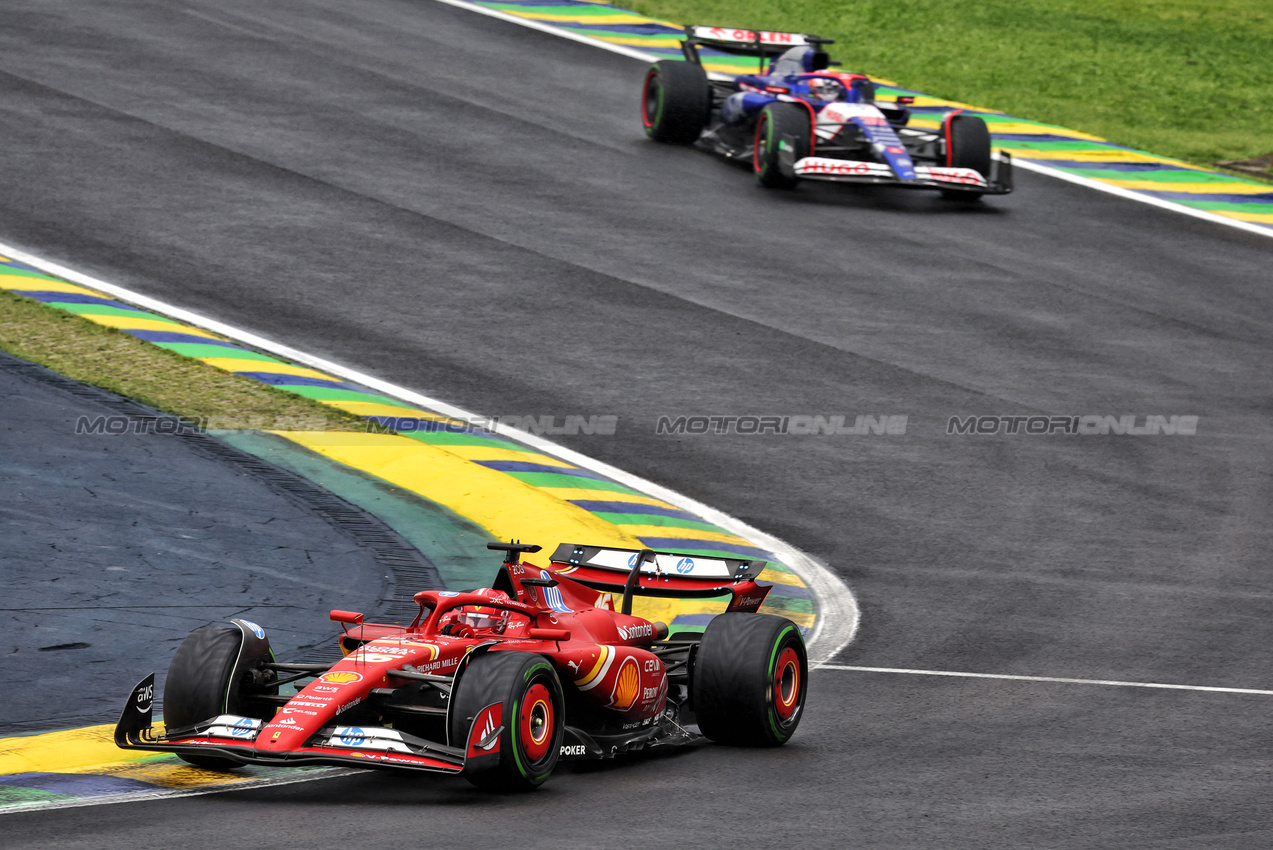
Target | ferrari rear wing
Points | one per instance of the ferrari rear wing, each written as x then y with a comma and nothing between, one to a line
741,42
669,574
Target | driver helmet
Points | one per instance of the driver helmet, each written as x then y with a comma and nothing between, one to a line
484,618
825,88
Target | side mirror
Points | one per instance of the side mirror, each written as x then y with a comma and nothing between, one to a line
346,617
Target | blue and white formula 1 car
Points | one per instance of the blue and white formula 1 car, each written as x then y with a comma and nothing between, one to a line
798,119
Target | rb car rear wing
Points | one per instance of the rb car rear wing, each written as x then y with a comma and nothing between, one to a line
669,574
740,42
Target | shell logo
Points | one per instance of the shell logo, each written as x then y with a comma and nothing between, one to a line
627,686
341,677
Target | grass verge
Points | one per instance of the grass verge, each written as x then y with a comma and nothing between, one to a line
111,359
1182,78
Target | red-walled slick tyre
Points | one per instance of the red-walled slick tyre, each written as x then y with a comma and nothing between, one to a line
967,146
676,102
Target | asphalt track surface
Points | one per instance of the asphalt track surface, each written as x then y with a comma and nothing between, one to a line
117,545
469,209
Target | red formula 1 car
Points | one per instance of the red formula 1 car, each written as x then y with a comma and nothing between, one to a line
496,684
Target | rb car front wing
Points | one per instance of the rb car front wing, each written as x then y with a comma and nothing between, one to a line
926,176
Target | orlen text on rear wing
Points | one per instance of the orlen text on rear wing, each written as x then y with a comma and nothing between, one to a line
741,42
645,572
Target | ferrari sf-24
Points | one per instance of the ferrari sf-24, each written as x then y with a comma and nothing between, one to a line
496,684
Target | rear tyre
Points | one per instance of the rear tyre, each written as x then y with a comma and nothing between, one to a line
749,680
967,146
781,126
199,685
676,102
533,717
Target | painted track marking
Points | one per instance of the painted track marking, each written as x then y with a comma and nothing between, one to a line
147,796
1045,679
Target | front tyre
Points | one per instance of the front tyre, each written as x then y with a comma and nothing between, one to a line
676,102
203,683
782,140
967,146
533,717
749,680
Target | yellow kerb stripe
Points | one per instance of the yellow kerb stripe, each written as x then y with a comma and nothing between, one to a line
236,364
17,283
499,503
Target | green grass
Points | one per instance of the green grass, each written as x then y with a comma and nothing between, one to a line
1191,79
111,359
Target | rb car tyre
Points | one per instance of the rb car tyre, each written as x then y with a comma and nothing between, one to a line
199,685
967,146
749,680
779,125
533,717
676,102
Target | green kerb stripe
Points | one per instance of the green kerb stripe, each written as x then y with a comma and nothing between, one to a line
664,521
197,349
791,604
106,310
1076,145
572,11
13,795
454,438
17,272
552,479
1263,208
1162,176
328,394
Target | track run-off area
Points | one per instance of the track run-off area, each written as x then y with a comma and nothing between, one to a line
465,208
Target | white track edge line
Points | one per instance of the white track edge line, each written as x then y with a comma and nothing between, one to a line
1046,679
168,794
552,30
836,619
1127,194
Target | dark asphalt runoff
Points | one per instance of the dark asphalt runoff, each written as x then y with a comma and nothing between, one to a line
116,545
469,209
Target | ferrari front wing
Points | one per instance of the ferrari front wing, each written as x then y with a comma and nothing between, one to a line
233,737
